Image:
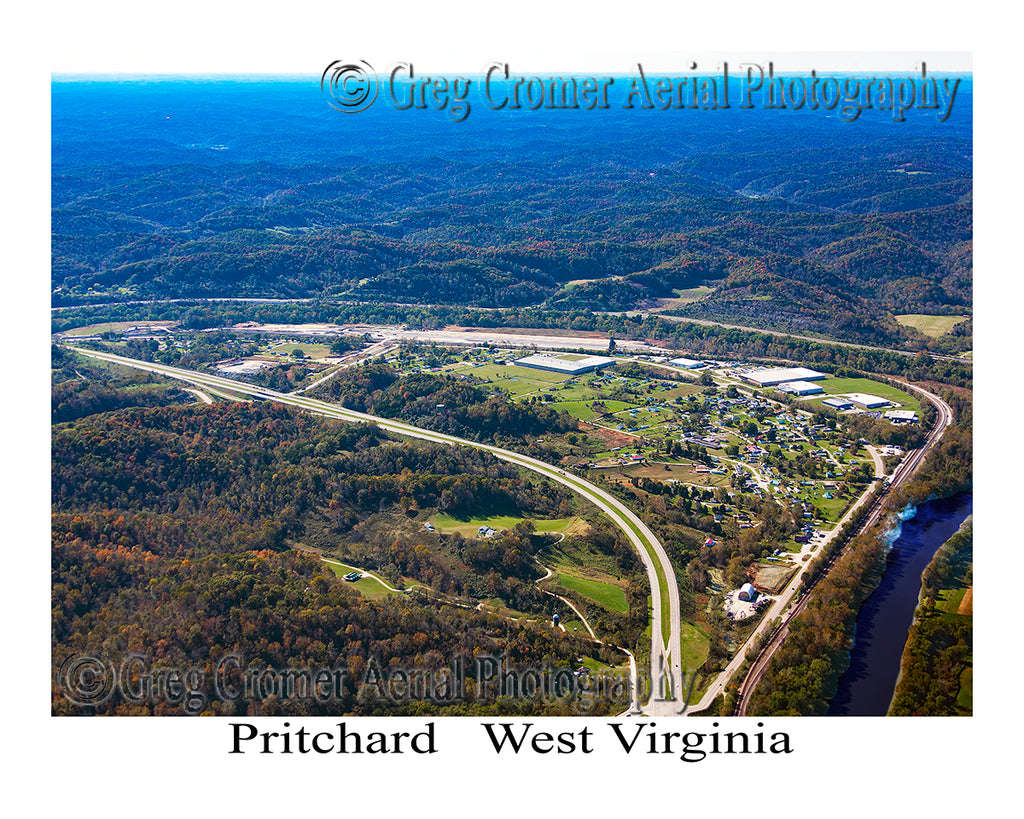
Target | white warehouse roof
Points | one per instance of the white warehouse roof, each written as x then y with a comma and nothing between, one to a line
867,401
556,363
689,363
778,375
800,388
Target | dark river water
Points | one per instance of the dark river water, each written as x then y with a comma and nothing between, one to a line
866,688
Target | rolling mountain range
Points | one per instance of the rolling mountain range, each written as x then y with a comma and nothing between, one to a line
793,220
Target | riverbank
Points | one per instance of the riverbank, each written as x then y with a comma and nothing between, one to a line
936,669
886,616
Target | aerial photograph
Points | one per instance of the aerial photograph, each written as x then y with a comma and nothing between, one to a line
379,391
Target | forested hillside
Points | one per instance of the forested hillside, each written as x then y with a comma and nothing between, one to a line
793,222
171,536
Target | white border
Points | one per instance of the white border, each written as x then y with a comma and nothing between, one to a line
842,767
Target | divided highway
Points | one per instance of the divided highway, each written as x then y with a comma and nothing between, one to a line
667,695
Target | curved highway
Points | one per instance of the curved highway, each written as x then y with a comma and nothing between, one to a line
667,693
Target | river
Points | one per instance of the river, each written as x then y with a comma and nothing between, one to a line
866,688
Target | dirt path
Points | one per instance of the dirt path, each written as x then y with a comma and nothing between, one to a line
634,706
366,573
548,574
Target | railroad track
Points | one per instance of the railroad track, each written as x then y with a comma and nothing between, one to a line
903,472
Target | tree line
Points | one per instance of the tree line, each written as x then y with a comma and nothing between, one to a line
939,649
171,528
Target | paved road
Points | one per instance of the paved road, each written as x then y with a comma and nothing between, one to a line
776,610
908,466
781,602
202,396
668,697
877,459
470,336
642,313
367,573
781,334
350,360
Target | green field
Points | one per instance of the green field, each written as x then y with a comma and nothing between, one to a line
950,599
600,668
695,645
556,525
681,391
367,586
569,285
608,595
683,297
578,391
470,525
643,417
515,380
965,696
580,558
506,372
933,326
577,409
500,607
694,293
832,510
113,327
309,350
614,406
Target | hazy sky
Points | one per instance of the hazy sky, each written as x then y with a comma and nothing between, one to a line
193,36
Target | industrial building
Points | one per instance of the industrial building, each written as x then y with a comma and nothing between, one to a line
800,388
747,592
867,401
687,363
901,416
556,363
838,403
774,377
